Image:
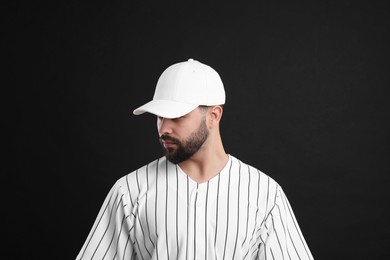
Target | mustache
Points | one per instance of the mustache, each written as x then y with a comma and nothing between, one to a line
169,138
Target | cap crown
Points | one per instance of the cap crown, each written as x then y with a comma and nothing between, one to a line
190,82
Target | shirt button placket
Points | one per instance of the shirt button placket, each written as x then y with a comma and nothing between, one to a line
191,221
200,224
199,199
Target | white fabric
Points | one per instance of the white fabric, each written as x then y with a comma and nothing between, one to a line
158,212
182,87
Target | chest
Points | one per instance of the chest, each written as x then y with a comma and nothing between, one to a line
182,219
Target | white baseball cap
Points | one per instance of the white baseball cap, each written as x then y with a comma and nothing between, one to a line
183,87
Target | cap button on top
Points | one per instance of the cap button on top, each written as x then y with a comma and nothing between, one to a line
190,59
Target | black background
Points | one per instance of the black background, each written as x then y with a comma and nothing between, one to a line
307,104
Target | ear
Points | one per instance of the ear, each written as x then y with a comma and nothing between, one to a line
214,115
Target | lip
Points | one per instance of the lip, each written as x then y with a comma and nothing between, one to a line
168,144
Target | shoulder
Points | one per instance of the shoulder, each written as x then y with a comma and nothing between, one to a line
142,178
253,172
145,169
266,187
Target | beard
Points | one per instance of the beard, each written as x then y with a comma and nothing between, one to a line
187,148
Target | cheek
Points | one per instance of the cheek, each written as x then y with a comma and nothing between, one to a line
158,125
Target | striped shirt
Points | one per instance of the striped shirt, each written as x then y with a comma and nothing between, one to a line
158,212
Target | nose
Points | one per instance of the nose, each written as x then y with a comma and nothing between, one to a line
164,125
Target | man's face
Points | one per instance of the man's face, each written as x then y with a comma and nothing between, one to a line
182,137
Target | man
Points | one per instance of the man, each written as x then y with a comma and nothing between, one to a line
196,202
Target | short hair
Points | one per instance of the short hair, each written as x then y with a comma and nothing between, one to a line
203,108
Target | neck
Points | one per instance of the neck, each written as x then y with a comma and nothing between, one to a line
207,162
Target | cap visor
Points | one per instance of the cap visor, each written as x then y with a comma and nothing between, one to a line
165,108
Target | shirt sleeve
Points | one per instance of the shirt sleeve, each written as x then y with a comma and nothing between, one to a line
281,237
110,236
